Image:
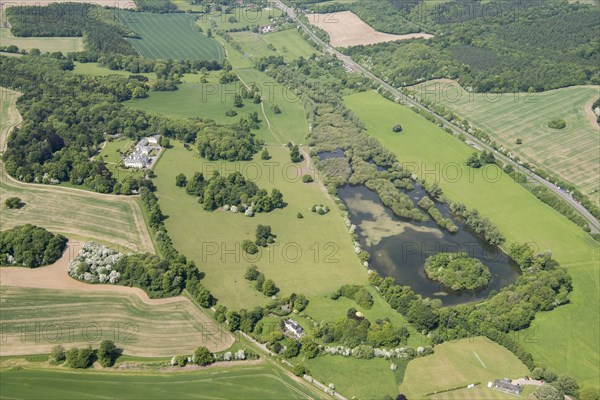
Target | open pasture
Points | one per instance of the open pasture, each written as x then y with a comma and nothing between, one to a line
315,250
571,153
231,382
44,44
458,363
287,43
80,214
566,338
170,36
346,29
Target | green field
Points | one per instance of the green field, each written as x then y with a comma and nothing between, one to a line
44,44
572,153
78,214
567,338
9,114
47,317
365,379
458,363
260,382
287,43
211,100
245,17
482,392
313,255
170,36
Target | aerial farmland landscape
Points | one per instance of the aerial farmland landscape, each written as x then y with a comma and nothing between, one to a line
300,199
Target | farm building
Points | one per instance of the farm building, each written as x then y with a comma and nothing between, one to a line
267,29
293,328
506,385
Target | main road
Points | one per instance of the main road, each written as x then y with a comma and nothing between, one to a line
593,223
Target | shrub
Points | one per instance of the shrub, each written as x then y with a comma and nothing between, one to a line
299,215
80,358
269,288
300,370
251,273
231,113
58,353
265,155
181,180
249,247
519,141
397,128
295,155
107,353
203,356
14,203
276,109
557,124
307,178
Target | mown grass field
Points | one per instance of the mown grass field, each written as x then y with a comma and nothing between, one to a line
567,339
233,382
461,362
9,114
365,379
313,255
170,36
287,43
78,214
571,153
35,320
44,44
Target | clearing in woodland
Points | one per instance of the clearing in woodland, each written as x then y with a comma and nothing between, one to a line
346,29
9,114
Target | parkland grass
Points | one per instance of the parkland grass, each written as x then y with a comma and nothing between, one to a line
567,338
571,153
287,43
459,363
232,382
316,250
34,320
76,213
170,36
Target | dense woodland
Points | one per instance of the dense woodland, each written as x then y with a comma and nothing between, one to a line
30,246
66,116
494,52
99,27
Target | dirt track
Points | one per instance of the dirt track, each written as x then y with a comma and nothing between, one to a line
346,29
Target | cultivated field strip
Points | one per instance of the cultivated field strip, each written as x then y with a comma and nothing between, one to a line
170,36
116,220
9,114
37,319
572,153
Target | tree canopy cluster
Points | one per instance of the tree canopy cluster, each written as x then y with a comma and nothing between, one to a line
457,271
358,293
485,47
231,190
263,285
30,246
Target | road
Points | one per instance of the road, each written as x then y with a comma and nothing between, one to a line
593,223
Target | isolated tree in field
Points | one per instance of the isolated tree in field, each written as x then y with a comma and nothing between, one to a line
203,356
14,202
276,109
58,353
299,215
295,155
269,288
307,178
473,161
397,128
238,101
181,180
251,273
265,154
107,353
519,141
